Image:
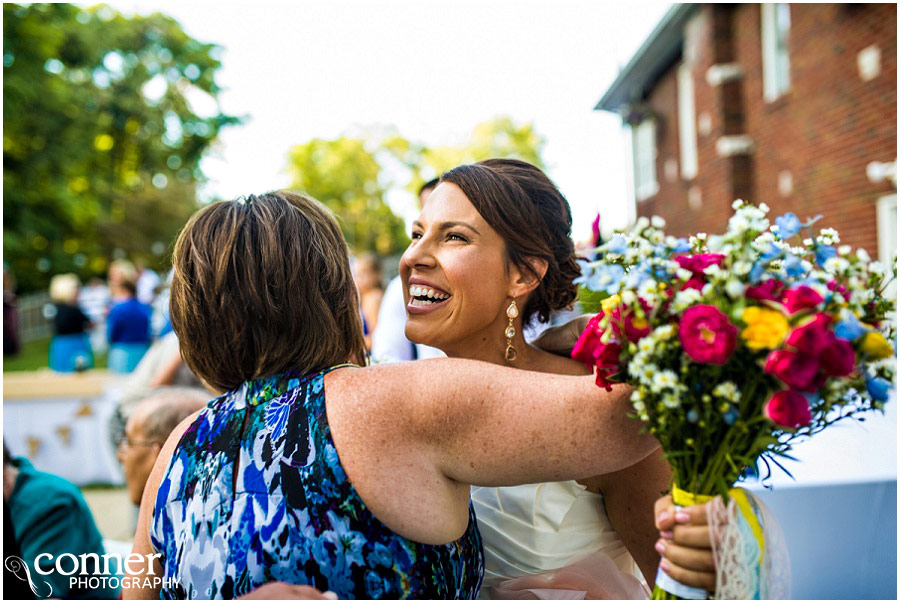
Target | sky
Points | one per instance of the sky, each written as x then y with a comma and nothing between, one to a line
301,70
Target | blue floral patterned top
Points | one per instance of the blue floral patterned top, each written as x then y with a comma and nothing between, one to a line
290,514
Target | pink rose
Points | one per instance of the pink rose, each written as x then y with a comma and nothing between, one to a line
770,290
801,298
635,329
788,409
699,262
706,335
837,358
799,371
812,337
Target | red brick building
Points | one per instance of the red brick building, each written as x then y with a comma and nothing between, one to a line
794,105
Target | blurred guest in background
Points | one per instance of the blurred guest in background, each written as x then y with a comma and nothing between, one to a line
49,517
147,429
147,283
94,301
70,348
389,343
127,328
120,271
10,315
369,280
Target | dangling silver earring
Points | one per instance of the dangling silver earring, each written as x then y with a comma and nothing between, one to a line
511,312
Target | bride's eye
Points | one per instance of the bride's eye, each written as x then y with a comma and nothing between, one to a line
415,236
457,237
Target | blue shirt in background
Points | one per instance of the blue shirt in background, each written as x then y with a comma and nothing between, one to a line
129,322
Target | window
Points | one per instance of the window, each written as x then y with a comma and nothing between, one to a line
644,150
687,124
776,23
886,216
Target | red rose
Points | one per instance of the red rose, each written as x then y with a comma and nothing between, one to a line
837,358
770,290
797,370
801,298
788,409
706,335
812,337
586,347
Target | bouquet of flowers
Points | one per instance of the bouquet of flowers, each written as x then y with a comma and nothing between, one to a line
738,345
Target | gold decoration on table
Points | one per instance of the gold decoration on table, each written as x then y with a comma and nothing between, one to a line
65,434
85,410
34,446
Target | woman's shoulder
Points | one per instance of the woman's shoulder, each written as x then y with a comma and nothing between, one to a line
546,362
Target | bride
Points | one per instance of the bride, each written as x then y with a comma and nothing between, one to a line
491,253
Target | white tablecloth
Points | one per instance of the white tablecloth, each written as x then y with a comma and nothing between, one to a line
64,431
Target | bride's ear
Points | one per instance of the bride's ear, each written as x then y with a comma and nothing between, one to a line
523,282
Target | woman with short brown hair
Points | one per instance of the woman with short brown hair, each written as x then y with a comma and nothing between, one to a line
354,480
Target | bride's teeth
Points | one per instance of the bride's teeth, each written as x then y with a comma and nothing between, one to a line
430,293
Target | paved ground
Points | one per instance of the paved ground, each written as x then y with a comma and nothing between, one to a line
113,512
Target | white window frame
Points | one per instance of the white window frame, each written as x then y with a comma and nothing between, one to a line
644,153
687,122
886,218
776,23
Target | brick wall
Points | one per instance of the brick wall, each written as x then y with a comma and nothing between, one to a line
822,132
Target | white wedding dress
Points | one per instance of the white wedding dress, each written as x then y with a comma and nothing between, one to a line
552,541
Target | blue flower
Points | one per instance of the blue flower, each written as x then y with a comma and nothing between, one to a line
851,330
731,415
637,276
381,555
772,253
793,267
757,271
350,542
607,278
788,225
681,246
825,253
617,244
586,271
693,416
878,388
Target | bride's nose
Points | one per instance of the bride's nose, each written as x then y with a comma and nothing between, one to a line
419,254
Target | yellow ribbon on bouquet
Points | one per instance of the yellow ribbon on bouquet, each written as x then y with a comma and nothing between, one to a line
684,498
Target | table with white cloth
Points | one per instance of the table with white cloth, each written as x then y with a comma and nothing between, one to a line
60,422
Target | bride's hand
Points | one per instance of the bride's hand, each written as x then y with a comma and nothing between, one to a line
684,544
561,339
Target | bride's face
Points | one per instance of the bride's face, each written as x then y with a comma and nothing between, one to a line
456,280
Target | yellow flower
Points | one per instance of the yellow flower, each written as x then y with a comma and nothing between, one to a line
766,328
611,303
875,346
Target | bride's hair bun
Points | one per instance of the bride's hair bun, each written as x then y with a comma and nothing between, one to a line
523,205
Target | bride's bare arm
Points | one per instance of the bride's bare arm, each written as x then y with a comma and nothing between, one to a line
629,496
487,425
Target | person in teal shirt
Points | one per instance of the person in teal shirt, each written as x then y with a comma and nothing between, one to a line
49,515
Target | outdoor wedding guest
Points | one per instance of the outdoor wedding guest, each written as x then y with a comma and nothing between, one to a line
309,471
147,429
49,516
389,343
369,280
70,347
491,252
94,300
120,271
146,284
127,328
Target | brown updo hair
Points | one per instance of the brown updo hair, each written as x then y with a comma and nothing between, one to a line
263,285
523,205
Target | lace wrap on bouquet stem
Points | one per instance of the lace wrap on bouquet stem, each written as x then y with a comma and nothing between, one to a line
752,560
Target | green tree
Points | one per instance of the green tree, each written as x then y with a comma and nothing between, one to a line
353,174
101,141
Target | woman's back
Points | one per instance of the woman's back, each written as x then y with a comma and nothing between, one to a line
289,513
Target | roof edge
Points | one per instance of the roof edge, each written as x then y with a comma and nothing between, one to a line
655,54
